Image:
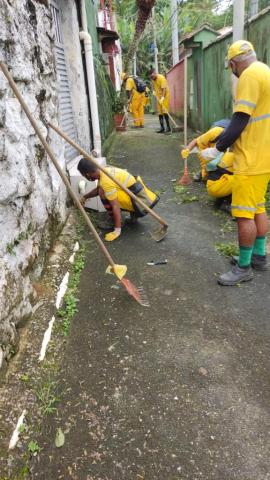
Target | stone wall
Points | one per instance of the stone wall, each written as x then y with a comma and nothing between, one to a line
32,198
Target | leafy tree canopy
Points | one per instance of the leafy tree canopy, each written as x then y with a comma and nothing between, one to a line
192,14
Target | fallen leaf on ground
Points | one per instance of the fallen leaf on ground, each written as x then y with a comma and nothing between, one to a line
59,438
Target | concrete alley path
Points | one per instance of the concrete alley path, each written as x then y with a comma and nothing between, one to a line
179,390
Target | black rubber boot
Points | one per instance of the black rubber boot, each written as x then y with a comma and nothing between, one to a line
161,121
168,129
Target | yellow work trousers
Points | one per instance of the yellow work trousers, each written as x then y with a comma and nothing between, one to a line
220,188
203,165
164,107
137,108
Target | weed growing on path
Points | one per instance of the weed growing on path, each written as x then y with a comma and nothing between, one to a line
33,447
227,226
69,308
227,249
47,394
184,195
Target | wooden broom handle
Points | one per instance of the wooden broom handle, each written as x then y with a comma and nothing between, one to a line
93,160
168,113
55,162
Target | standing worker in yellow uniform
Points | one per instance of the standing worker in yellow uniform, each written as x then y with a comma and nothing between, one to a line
135,89
113,197
249,133
162,93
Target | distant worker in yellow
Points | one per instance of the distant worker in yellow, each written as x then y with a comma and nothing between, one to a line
137,93
162,93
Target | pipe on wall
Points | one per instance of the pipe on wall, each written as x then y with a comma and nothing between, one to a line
88,48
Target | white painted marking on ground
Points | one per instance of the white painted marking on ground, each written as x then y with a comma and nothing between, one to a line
75,249
46,339
62,290
15,436
72,258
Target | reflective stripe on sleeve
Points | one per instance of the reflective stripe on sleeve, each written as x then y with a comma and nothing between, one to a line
127,180
246,103
261,117
111,192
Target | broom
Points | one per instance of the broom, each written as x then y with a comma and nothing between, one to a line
118,270
185,179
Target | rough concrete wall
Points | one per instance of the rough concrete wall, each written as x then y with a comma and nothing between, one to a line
80,108
32,199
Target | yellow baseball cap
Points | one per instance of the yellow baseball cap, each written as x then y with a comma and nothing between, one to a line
239,48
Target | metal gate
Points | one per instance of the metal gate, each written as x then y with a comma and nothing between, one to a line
65,104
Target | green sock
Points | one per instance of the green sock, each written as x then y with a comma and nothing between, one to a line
245,254
260,246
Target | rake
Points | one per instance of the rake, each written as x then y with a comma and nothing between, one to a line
118,270
157,235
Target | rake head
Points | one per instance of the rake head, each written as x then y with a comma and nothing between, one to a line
159,234
137,293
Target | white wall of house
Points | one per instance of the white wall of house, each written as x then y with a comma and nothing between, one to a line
70,29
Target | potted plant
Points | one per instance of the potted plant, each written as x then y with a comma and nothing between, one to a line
119,111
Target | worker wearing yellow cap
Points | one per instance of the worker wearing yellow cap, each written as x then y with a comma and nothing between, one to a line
136,99
162,93
249,133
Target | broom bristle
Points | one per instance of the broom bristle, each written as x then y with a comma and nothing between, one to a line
185,180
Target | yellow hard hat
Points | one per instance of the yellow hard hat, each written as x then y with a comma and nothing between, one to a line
123,76
239,48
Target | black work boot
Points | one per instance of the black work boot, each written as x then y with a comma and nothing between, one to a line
168,129
161,121
258,262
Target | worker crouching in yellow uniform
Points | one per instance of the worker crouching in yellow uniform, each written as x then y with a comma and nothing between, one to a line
208,139
113,197
136,100
220,180
162,93
218,174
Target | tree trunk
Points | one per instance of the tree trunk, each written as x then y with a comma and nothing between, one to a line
144,12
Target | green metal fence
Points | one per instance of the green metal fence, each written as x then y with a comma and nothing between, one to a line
216,97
